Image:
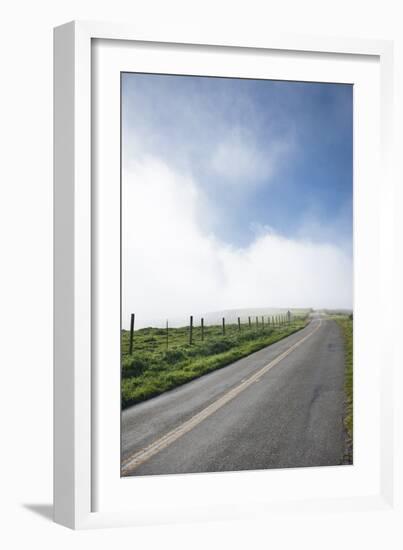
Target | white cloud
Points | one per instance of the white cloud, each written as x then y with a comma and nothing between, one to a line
201,130
173,267
237,158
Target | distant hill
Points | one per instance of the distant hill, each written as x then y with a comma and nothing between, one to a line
338,311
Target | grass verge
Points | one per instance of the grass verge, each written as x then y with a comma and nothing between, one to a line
157,364
346,324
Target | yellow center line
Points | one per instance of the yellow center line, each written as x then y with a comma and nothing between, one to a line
139,457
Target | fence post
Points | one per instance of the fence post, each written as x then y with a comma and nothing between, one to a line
191,330
250,325
167,335
132,316
239,323
223,326
202,329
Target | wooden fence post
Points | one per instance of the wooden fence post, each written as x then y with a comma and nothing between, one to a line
223,326
191,330
202,329
239,323
132,316
250,325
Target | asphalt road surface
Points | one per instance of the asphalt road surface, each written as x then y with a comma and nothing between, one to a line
281,407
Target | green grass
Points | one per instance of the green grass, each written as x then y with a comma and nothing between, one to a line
154,368
346,324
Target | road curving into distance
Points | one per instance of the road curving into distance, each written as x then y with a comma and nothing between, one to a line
281,407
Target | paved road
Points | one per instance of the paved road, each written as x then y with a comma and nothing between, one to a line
280,407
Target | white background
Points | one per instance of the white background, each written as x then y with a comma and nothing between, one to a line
26,265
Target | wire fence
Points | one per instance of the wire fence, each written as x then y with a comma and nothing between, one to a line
198,331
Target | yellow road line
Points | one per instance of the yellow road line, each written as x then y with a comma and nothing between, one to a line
138,458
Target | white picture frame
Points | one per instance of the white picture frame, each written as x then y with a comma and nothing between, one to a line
81,431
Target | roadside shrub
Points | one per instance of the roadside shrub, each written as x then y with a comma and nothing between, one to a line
173,356
217,346
136,364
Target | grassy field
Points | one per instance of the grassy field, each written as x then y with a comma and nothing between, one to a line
346,324
156,365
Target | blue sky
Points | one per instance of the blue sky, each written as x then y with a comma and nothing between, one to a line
299,133
235,194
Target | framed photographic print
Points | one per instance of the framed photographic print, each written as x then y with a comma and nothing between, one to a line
236,250
220,227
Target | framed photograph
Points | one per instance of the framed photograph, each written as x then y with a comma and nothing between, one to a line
223,276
